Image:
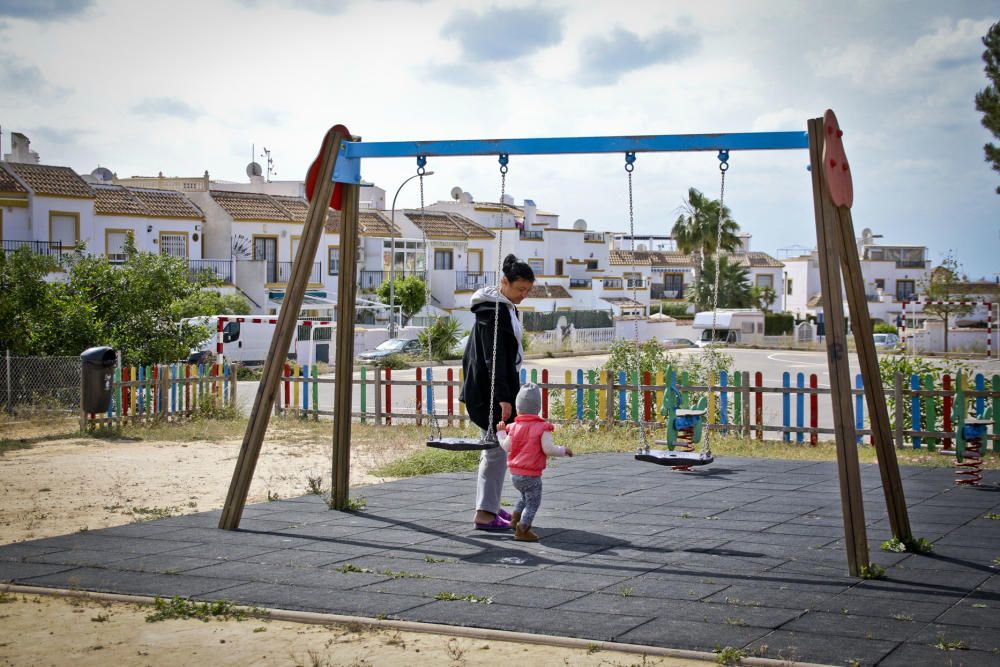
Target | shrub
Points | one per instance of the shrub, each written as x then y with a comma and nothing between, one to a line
393,362
441,338
884,327
678,310
778,324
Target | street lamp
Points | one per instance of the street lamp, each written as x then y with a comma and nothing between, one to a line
392,256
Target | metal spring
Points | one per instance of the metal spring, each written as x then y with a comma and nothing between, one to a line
970,469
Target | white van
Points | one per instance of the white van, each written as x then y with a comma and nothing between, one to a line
734,325
245,339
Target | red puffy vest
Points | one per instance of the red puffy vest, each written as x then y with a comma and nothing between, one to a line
526,456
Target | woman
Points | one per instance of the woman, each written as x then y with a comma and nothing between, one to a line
477,364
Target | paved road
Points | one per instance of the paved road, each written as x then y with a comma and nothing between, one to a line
771,363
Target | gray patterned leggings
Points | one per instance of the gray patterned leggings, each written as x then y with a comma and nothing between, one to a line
531,497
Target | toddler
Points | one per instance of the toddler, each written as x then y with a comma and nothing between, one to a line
528,441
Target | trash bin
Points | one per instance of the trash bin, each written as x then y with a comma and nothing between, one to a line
98,376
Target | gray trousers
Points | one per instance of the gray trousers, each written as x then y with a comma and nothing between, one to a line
531,497
489,484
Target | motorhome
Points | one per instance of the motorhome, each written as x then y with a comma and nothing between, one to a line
247,339
735,325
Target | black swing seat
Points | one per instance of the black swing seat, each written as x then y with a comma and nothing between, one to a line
464,444
665,457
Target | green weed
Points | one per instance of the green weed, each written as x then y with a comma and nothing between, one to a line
872,571
730,656
452,597
181,608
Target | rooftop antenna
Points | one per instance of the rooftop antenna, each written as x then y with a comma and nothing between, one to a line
270,164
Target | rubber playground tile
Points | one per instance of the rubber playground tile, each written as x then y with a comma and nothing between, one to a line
92,541
671,589
747,595
19,572
151,529
908,655
83,557
972,638
570,580
505,594
292,576
692,635
132,583
598,627
322,600
242,537
162,563
217,552
885,607
23,550
974,612
849,625
824,648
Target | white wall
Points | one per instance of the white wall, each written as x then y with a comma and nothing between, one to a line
15,224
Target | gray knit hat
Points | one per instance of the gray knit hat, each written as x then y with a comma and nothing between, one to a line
529,399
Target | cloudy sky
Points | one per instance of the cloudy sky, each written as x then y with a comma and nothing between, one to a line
184,86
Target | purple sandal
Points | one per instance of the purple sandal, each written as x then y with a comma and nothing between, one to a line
496,525
503,514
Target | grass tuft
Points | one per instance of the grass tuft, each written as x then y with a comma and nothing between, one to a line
181,608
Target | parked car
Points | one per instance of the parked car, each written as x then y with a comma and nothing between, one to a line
886,340
678,342
392,346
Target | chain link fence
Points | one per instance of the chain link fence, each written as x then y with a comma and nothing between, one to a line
39,384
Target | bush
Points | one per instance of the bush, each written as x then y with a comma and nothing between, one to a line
909,366
393,362
441,338
678,310
884,327
778,324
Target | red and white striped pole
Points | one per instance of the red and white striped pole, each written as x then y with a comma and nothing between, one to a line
218,341
989,330
902,329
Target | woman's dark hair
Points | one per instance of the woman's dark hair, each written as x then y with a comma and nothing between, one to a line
514,269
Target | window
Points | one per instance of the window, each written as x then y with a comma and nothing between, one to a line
765,280
537,265
880,283
173,244
443,259
904,290
409,255
559,267
673,285
114,245
788,286
333,260
64,228
592,265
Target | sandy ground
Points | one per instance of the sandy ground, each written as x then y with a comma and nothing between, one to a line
42,630
65,484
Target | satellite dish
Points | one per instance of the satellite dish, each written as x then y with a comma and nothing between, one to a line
580,225
508,200
254,169
102,174
467,197
456,193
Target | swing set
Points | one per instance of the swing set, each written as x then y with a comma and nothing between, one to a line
334,180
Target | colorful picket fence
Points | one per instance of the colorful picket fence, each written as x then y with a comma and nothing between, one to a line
166,392
739,402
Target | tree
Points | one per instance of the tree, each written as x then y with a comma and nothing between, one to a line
25,298
946,283
763,297
695,231
988,99
734,286
410,295
443,335
209,302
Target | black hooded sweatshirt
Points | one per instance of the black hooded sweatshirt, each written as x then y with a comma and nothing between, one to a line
477,359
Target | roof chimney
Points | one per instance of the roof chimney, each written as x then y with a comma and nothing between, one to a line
20,150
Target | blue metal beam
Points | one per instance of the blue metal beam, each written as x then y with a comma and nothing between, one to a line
348,169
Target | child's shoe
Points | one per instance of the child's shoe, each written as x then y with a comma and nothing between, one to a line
523,534
515,519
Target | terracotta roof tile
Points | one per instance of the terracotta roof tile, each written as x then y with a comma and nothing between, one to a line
51,181
167,204
8,183
249,206
373,223
443,225
117,200
677,258
543,291
120,200
758,260
297,207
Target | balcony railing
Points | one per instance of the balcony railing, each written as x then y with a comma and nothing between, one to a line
593,237
371,280
221,268
531,235
284,272
911,264
580,282
473,280
51,249
635,283
611,283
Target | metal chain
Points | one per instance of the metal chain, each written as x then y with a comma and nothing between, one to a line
641,395
491,430
712,354
435,426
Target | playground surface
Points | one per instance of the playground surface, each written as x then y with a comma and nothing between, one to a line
745,553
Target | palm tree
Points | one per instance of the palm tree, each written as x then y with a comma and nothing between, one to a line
697,228
734,286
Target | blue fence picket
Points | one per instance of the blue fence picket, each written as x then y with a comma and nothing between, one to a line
524,375
579,394
800,407
859,407
786,405
980,400
915,408
430,388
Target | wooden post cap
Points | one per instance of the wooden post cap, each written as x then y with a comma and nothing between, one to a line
313,173
836,168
